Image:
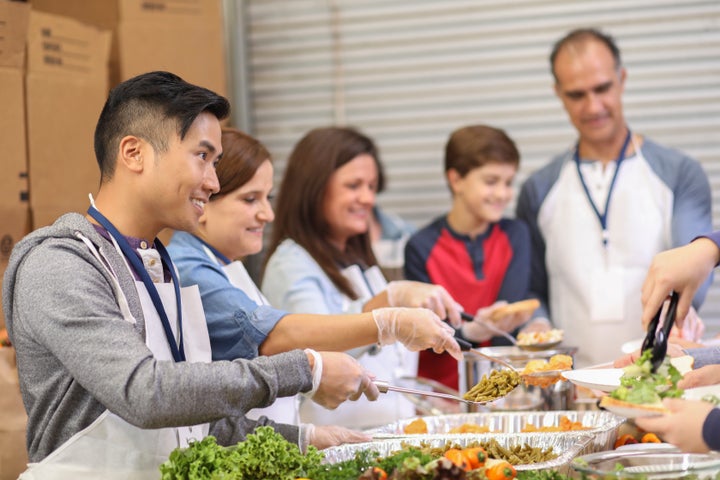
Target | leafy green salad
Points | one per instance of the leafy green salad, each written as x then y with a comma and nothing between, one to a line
639,385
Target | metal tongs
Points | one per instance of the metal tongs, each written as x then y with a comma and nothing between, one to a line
657,339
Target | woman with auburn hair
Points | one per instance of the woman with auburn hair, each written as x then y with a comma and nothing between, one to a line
320,259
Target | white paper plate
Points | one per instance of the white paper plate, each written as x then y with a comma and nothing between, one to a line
603,379
608,379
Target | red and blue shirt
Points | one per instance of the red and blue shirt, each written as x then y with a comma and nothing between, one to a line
477,272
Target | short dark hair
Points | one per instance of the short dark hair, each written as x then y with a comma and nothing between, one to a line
151,106
477,145
582,35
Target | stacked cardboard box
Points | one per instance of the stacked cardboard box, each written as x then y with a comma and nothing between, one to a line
14,18
67,85
182,36
14,212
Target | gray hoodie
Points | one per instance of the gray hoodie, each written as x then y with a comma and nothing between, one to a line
77,356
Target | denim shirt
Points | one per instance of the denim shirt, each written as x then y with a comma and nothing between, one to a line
236,324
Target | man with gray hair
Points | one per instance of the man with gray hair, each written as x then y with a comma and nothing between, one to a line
602,209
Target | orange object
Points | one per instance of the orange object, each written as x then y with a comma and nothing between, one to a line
457,457
416,426
625,439
379,473
650,438
501,471
476,457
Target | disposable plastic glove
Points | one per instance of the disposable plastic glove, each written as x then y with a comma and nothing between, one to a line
482,328
416,328
324,436
343,378
406,293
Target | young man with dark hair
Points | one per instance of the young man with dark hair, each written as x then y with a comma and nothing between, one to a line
113,356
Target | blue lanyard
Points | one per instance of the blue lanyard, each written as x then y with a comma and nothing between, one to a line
177,350
215,251
602,217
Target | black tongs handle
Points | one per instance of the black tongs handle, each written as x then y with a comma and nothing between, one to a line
657,339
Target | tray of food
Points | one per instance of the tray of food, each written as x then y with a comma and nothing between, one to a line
601,424
529,451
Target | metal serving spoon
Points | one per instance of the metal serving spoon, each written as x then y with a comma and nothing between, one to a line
384,387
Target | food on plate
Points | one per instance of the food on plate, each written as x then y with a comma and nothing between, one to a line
534,338
564,425
641,389
556,363
416,426
491,387
523,306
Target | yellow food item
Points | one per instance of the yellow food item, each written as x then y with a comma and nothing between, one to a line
416,426
470,428
533,338
556,363
564,425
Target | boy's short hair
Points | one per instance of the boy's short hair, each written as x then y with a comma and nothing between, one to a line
151,106
477,145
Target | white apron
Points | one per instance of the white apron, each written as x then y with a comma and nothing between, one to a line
283,409
595,289
111,448
390,363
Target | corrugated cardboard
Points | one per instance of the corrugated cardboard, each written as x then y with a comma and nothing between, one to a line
100,13
181,36
13,453
14,19
66,88
13,419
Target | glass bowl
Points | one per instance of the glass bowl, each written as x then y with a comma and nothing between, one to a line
648,465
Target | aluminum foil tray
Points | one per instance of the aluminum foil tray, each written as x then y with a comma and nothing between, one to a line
602,425
567,446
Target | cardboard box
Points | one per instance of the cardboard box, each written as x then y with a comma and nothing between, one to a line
14,18
13,419
181,36
66,88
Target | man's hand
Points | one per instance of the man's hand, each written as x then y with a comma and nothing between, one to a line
701,377
343,378
417,329
406,293
681,269
682,426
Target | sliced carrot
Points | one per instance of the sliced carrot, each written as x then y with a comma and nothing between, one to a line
501,471
457,457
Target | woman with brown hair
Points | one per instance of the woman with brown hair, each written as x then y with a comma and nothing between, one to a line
320,258
240,321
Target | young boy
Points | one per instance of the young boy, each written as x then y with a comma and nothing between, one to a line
476,254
